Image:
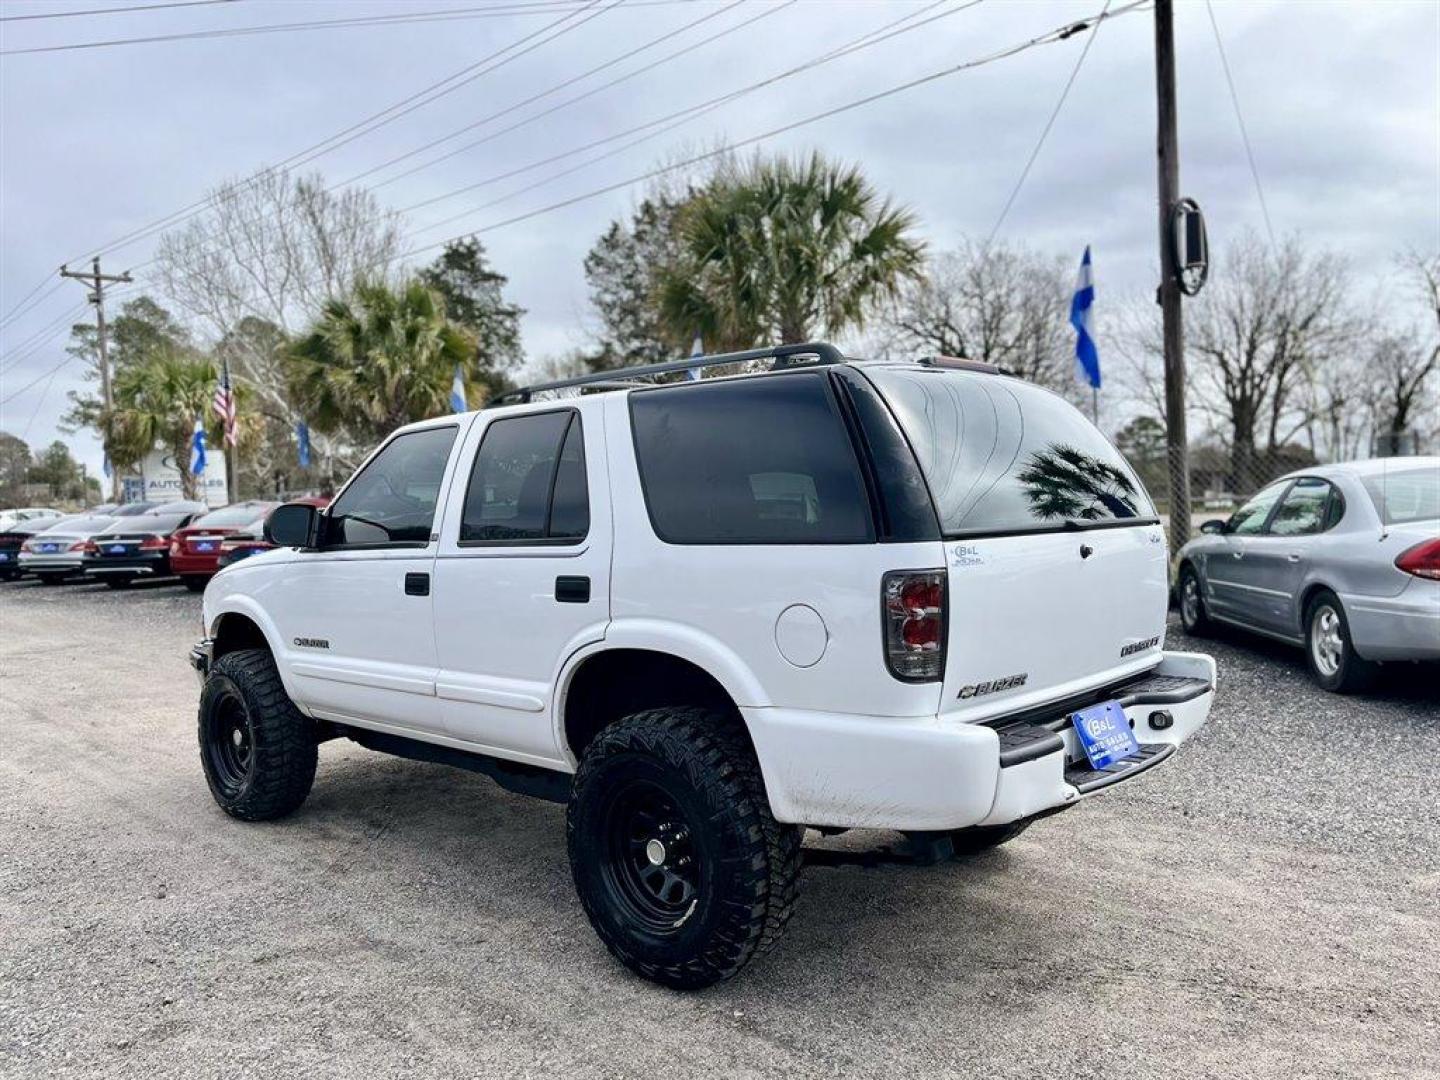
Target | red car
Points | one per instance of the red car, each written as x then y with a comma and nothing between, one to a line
250,540
195,549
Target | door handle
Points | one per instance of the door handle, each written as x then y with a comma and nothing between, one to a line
417,584
1237,554
572,589
1293,557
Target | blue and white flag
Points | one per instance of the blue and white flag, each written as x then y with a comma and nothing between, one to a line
1087,357
197,448
697,348
302,444
457,392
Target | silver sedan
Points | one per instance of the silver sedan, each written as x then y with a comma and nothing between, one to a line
1342,560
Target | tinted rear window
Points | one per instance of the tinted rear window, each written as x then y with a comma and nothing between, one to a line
229,516
755,461
147,523
1405,495
1002,455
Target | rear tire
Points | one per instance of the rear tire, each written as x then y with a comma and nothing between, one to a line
119,581
683,871
1328,649
1192,603
257,749
195,583
51,579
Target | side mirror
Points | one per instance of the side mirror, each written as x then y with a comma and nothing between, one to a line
293,525
1214,525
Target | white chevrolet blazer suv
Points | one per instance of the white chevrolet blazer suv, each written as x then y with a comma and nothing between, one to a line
706,613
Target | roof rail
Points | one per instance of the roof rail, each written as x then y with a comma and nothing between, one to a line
620,378
961,363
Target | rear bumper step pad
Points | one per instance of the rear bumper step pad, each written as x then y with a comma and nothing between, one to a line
1085,779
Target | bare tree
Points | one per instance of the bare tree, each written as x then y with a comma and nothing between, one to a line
1000,304
1400,364
269,252
1270,320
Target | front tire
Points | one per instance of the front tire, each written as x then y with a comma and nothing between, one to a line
683,871
257,749
1192,604
1329,651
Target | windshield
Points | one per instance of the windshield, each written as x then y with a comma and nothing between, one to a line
1405,495
1002,455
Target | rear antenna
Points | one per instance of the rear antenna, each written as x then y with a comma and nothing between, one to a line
1384,496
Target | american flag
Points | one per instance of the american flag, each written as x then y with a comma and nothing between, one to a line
224,405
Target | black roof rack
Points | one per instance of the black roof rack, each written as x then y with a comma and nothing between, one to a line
622,378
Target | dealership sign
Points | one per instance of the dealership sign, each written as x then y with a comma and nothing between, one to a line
162,482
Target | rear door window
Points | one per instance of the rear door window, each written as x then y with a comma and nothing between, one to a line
1305,508
1001,455
528,483
750,461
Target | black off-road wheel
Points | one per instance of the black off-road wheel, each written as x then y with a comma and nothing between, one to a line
683,871
1192,603
1333,661
257,749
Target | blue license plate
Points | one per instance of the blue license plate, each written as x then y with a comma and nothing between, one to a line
4,556
204,545
1105,734
118,549
49,547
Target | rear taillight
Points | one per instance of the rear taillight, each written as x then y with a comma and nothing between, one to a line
1422,560
28,545
81,545
913,606
154,543
89,547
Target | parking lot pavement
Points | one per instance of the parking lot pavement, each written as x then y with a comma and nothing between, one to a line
1265,905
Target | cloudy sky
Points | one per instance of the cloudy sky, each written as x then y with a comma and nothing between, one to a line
1342,103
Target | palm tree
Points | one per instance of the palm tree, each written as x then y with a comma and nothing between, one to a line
781,248
1064,482
378,359
157,401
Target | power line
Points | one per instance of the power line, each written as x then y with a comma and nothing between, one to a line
681,116
21,308
1240,119
436,90
1054,114
885,32
562,85
31,345
493,11
1053,36
113,10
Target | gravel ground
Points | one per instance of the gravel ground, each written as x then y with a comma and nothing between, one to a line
1265,905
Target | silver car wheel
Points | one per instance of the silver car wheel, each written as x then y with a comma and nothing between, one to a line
1190,601
1327,641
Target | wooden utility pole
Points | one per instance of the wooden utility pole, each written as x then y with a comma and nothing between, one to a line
1173,329
97,281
